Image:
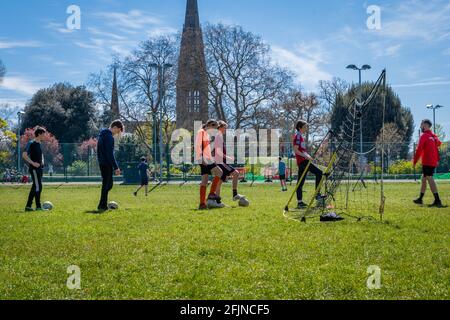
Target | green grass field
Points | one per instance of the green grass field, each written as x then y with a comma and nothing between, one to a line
162,248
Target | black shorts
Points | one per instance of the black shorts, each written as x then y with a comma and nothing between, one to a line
282,177
227,171
144,182
428,171
207,169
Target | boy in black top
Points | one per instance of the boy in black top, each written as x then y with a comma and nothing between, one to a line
35,159
143,173
106,160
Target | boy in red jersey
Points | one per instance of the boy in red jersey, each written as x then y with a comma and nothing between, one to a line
203,157
303,158
428,152
221,159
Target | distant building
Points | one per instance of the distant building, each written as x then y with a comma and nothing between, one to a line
192,82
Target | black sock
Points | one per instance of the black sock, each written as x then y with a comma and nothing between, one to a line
436,197
235,193
421,196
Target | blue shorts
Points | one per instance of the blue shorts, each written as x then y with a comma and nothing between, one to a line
144,182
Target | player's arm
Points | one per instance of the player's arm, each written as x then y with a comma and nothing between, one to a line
301,153
110,155
29,161
419,150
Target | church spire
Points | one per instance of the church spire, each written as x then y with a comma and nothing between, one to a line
192,17
192,82
115,112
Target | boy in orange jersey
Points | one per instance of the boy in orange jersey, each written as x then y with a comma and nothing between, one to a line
203,156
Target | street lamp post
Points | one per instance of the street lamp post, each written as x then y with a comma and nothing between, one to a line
434,108
361,148
161,94
19,120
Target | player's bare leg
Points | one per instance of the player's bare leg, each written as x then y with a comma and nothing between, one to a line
423,189
437,201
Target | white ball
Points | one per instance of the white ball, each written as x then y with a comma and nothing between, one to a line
243,202
113,205
47,205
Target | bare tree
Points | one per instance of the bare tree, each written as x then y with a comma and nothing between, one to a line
242,78
390,138
8,112
297,105
143,99
330,90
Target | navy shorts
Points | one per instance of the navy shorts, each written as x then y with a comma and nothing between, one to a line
428,171
144,182
207,169
227,171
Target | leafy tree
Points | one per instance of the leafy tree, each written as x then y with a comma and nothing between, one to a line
67,111
372,117
50,147
8,140
130,150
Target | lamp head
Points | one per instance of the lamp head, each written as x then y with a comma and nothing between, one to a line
352,66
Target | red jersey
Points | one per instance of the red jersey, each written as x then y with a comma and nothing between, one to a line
428,149
220,150
300,142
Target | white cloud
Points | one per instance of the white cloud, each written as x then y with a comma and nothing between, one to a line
425,20
423,84
59,27
134,19
20,85
5,44
304,63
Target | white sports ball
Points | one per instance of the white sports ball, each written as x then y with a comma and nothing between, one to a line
47,205
243,202
113,205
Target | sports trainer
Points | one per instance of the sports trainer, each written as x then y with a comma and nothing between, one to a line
428,152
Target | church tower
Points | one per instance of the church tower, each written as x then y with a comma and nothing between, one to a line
192,82
115,111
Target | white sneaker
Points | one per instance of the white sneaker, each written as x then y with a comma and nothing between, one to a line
238,197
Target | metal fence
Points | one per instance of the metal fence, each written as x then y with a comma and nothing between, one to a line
78,163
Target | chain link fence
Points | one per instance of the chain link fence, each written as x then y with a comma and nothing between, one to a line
78,163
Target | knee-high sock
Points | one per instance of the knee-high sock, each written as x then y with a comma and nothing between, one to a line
214,185
202,194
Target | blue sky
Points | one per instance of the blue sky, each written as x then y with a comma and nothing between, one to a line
314,39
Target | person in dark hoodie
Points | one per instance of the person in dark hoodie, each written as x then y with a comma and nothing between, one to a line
428,152
106,160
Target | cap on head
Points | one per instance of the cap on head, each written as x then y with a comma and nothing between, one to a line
143,159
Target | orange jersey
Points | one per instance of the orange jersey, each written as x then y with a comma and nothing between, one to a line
203,154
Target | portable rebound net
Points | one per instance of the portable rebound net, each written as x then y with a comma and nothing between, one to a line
349,189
